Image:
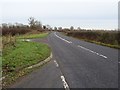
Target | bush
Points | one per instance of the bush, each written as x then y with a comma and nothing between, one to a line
108,37
14,31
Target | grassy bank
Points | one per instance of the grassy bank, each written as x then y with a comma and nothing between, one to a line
0,66
0,56
100,43
17,55
105,38
23,55
31,36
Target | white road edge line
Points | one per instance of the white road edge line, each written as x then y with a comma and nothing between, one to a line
65,83
92,51
62,38
56,63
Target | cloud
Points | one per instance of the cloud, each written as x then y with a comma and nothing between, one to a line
48,10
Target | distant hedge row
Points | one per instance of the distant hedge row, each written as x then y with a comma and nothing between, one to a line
14,31
108,37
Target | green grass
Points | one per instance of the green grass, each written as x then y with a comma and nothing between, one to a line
23,55
104,44
0,66
18,55
31,36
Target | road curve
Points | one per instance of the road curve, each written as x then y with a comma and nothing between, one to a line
75,64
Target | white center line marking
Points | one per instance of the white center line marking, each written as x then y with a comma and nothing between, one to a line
92,51
62,38
65,83
56,63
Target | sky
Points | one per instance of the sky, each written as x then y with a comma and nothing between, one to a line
88,14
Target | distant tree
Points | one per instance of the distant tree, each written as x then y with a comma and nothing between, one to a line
34,24
55,28
19,25
10,25
44,27
59,28
0,26
1,30
78,28
13,26
38,25
51,28
71,28
48,26
4,25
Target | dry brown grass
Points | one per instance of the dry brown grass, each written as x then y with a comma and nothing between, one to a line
8,40
0,43
35,32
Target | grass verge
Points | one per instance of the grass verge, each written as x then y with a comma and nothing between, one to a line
31,36
23,54
100,43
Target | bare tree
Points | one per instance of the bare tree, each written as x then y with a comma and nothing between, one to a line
38,25
48,27
71,28
44,27
78,28
4,25
59,28
55,28
34,24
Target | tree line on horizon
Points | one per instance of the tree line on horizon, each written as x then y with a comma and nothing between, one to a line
19,28
33,24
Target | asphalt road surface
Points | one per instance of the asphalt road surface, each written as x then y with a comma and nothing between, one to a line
75,64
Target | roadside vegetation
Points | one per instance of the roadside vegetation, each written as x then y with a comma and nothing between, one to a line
0,56
101,37
21,55
31,36
16,54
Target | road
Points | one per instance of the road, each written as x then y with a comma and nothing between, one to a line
75,64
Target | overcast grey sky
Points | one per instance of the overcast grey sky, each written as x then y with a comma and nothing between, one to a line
94,14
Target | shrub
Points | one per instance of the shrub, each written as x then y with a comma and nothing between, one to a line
108,37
